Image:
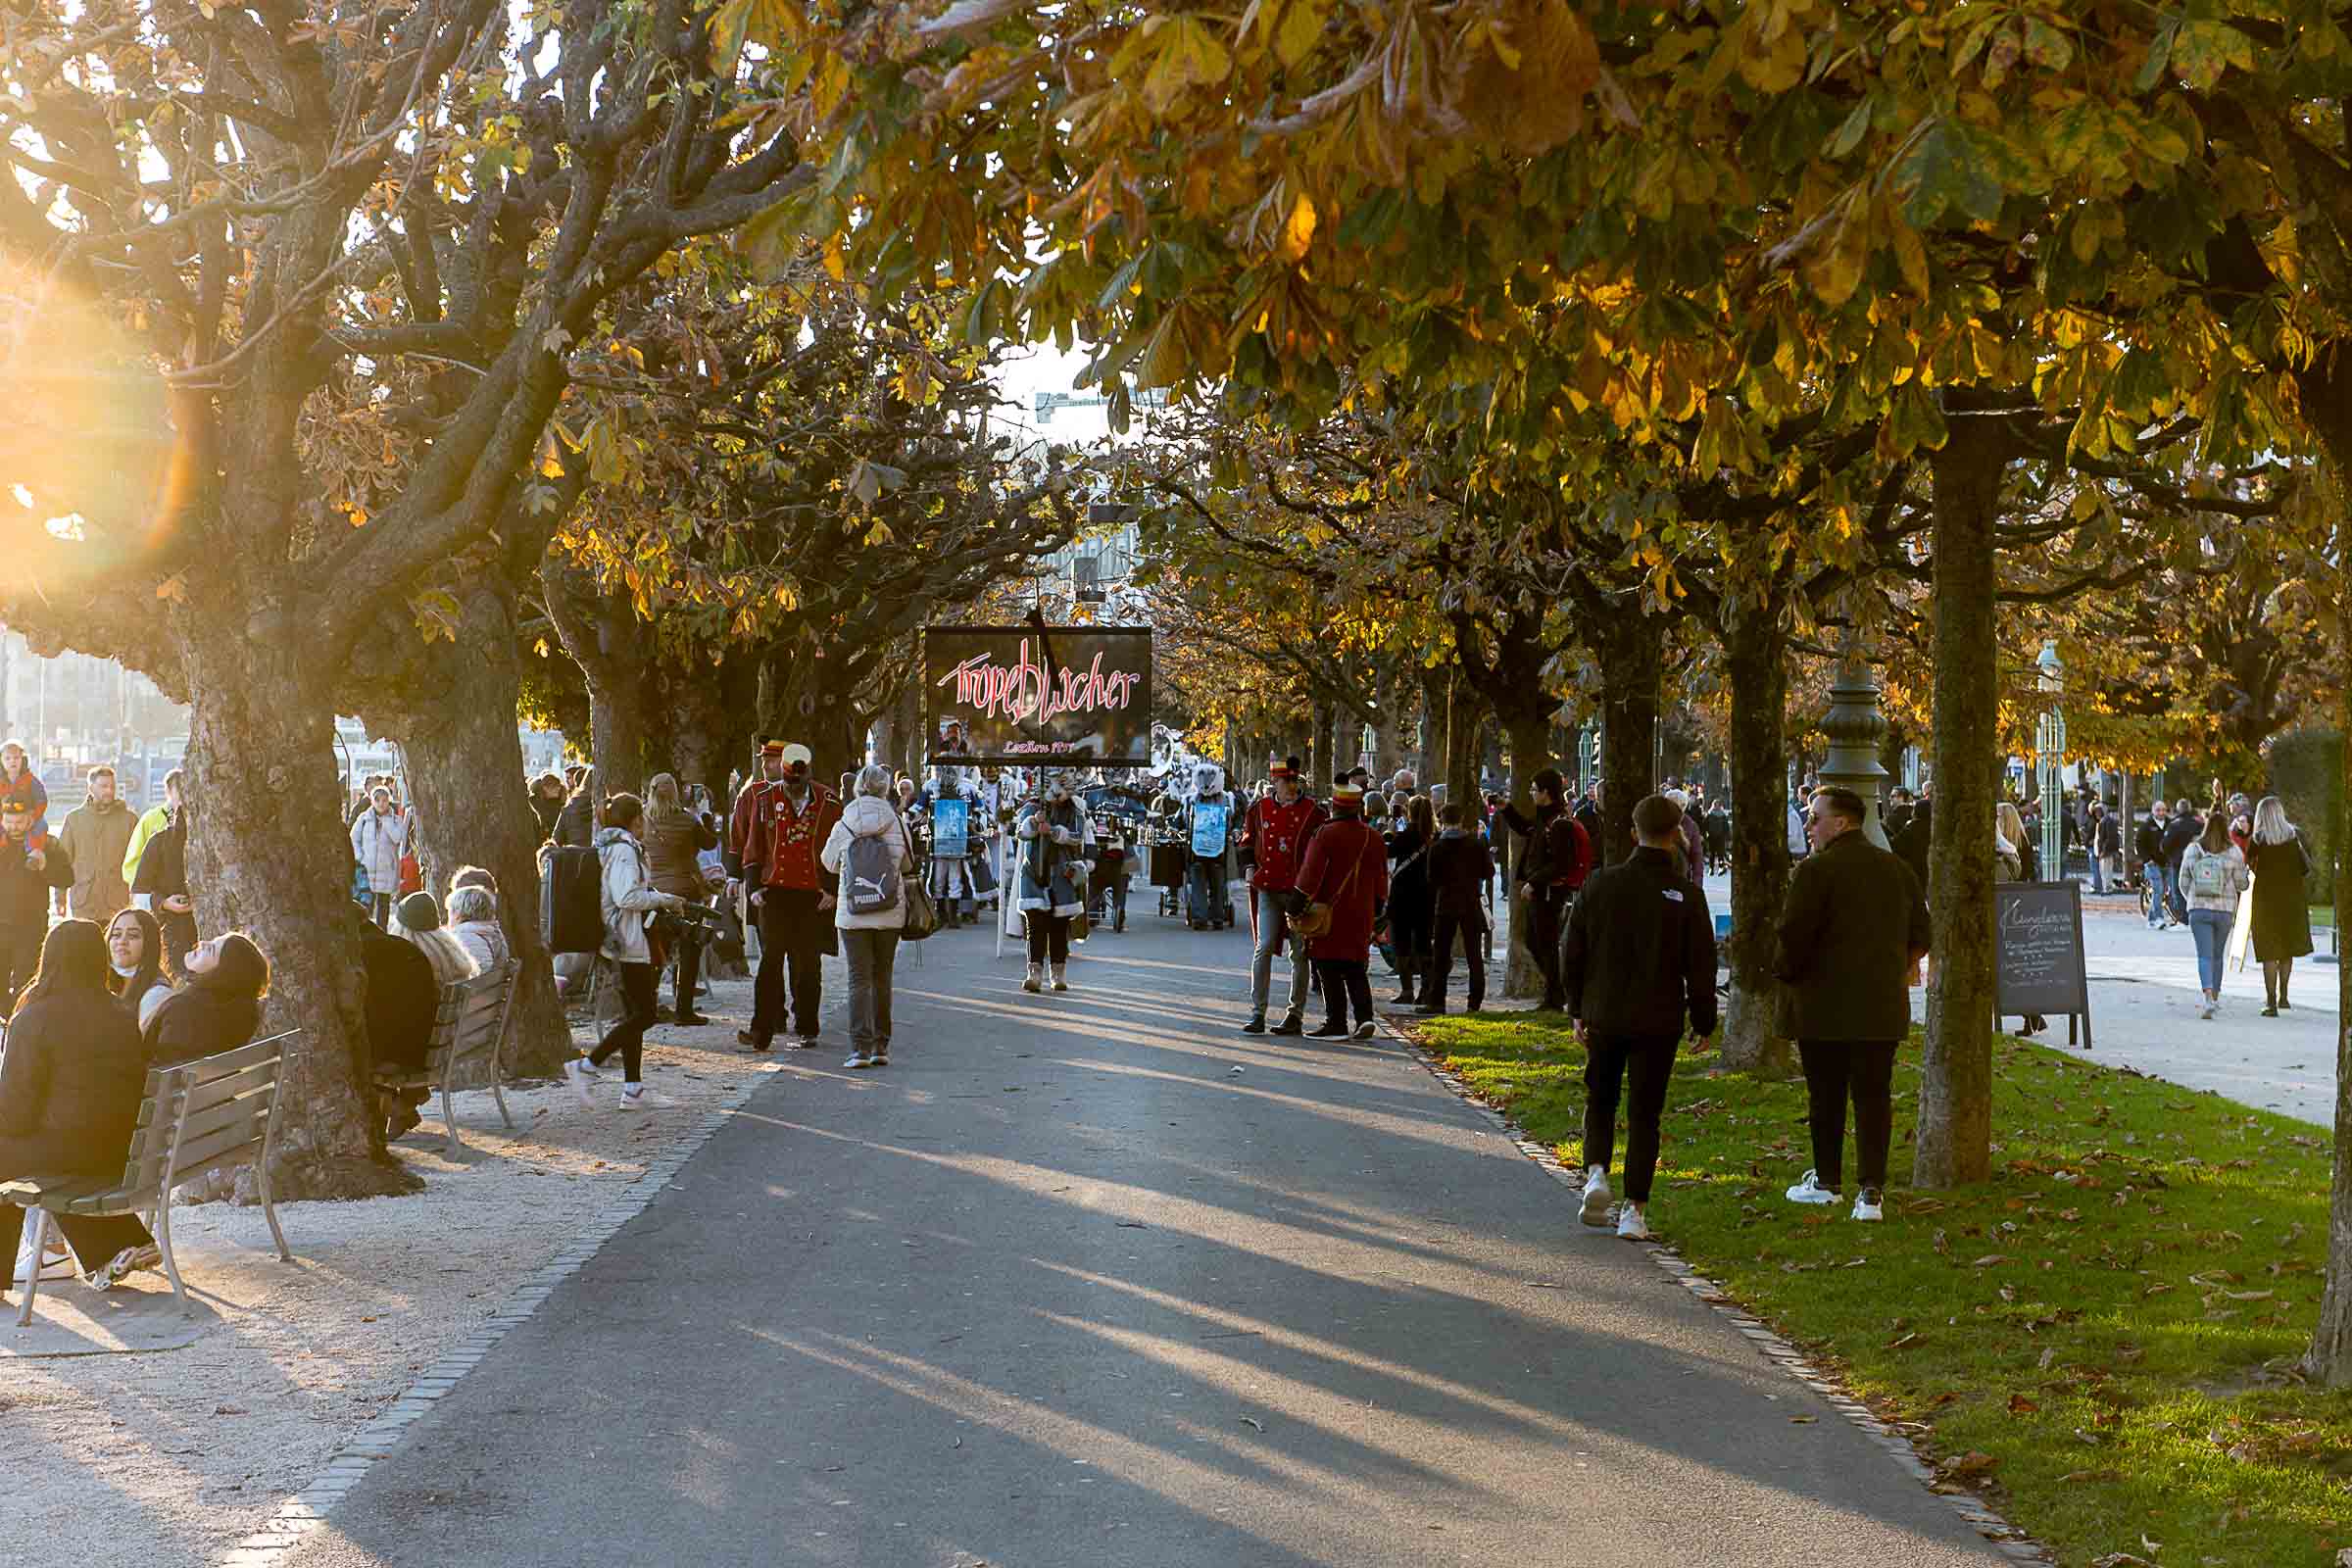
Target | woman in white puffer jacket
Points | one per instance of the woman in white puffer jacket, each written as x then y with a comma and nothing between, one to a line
870,907
629,898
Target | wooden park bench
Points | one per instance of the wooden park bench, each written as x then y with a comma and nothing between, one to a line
467,1047
214,1110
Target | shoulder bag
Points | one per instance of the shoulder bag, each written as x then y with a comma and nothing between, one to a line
1315,921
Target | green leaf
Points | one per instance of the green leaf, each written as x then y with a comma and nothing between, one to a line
1849,134
2160,53
1948,172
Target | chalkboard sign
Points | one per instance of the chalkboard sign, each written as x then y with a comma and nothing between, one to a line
2037,950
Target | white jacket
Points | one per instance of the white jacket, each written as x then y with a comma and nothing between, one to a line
867,814
378,842
628,895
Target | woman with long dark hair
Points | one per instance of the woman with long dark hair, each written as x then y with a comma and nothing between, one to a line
219,1010
1412,897
69,1090
134,950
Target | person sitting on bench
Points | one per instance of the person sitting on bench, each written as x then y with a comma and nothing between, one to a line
69,1090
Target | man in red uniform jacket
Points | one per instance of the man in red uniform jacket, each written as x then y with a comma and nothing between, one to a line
793,896
1275,834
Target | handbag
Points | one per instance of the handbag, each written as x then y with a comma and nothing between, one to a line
922,911
1315,920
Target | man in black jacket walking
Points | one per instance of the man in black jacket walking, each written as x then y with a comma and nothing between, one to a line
1551,870
1639,958
1853,932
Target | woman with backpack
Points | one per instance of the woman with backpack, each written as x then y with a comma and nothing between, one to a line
2281,916
629,899
2213,874
867,850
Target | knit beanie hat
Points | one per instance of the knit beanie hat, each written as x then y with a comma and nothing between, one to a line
419,912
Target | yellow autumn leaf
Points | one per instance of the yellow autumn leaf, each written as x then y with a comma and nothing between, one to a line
1299,233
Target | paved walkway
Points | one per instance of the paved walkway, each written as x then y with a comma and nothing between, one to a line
1093,1280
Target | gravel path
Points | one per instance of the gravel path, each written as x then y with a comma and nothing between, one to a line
171,1457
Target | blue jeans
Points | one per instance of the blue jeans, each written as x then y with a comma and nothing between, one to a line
2160,892
2211,928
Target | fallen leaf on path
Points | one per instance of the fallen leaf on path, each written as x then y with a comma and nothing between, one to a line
2019,1404
1253,1423
1803,1420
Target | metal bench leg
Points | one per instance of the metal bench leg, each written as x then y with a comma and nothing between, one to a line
498,1092
449,1119
40,1246
261,1172
162,1244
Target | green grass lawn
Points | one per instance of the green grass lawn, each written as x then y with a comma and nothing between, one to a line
2097,1339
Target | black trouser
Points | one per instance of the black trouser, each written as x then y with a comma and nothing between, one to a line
1651,1058
690,965
1864,1071
1049,936
1451,929
1545,910
20,958
1345,981
1408,935
640,1011
95,1239
792,935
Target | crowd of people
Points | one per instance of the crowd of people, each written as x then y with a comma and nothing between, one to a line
105,977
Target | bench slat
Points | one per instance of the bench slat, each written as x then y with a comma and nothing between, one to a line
195,1153
236,1086
204,1069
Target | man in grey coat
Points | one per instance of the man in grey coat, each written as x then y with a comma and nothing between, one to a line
1852,936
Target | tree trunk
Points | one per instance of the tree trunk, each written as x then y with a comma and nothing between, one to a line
1430,756
1529,734
1324,764
1632,647
620,735
1756,671
1955,1098
466,774
268,854
828,722
1459,715
2329,1362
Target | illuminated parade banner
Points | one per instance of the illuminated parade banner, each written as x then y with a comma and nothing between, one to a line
1026,695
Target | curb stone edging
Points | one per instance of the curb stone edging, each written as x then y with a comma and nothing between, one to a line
351,1461
2005,1537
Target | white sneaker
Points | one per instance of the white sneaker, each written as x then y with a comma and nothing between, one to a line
1810,1191
1631,1226
1060,982
583,1079
1036,979
1596,1197
2205,1011
858,1060
1867,1205
633,1098
1365,1030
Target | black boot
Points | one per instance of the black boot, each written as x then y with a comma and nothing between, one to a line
1406,968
